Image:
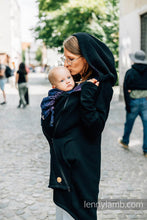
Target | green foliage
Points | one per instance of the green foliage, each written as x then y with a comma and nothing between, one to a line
59,19
39,55
50,5
111,27
23,56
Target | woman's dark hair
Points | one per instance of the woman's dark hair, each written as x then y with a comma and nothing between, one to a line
22,68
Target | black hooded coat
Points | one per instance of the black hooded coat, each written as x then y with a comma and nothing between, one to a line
75,139
135,79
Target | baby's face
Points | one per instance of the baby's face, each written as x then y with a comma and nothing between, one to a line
63,80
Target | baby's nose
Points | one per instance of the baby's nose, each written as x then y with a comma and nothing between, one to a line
66,64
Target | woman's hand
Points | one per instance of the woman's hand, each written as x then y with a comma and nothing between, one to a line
93,80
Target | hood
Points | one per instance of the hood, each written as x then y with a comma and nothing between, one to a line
141,68
98,56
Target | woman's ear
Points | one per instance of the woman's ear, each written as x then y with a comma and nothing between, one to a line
86,65
84,60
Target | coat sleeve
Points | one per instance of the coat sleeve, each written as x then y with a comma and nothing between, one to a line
126,93
47,129
95,104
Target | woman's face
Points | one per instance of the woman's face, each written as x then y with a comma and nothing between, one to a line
75,63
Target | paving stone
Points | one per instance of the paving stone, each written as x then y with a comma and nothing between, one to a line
20,212
9,213
36,195
3,205
27,217
1,216
142,216
34,207
24,160
29,202
42,216
132,217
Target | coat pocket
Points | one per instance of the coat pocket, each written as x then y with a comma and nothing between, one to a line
59,171
70,154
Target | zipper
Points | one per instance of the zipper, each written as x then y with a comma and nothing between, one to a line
62,173
65,104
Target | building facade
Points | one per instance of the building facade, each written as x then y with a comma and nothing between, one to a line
10,33
133,33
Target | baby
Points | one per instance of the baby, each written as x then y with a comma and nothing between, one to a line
61,79
62,82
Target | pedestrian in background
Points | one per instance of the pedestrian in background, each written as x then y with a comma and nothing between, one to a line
135,94
2,81
22,79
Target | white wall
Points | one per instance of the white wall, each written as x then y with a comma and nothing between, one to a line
5,26
10,40
130,39
15,32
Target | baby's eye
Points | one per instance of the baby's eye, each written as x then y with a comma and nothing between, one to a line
62,80
68,77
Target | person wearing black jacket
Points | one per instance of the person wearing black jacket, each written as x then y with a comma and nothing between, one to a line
79,119
135,95
21,79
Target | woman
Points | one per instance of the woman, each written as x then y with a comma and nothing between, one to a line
79,120
22,79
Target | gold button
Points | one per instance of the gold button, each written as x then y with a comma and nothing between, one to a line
59,179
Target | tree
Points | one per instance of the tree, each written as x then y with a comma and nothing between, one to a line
61,18
111,27
23,56
39,55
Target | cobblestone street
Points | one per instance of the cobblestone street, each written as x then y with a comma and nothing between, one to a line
24,160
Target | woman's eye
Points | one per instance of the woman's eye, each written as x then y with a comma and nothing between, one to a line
70,59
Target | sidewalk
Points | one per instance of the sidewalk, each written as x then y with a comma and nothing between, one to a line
24,160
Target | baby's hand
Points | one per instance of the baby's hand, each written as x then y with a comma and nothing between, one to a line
93,80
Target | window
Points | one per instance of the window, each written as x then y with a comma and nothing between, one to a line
144,33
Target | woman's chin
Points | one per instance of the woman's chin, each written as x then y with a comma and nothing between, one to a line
76,77
72,73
